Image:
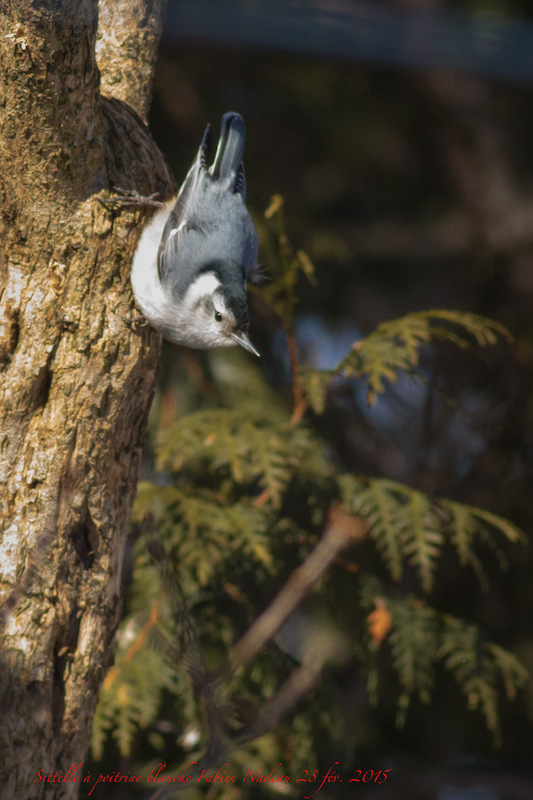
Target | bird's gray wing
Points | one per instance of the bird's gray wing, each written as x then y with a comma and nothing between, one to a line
182,216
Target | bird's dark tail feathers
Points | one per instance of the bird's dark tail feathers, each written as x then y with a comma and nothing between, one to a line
230,149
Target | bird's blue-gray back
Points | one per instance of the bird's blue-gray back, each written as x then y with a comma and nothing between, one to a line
211,220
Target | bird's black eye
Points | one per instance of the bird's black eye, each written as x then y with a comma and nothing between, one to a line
218,316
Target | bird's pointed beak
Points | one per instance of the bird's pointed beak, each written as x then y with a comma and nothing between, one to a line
243,340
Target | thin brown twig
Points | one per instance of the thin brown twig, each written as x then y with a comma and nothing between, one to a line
300,403
299,683
262,498
135,647
342,530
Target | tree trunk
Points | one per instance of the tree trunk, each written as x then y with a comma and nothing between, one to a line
76,381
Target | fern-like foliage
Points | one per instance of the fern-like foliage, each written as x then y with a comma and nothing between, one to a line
252,449
413,641
410,526
243,493
285,265
131,695
315,384
395,347
202,532
420,638
480,668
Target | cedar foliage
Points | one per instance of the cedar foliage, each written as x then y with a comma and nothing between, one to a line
243,491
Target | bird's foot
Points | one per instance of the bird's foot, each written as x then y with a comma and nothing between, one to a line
136,322
131,198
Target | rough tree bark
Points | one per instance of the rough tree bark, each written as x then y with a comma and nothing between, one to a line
75,380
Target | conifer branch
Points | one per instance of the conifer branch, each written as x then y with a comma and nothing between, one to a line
300,403
250,479
134,648
342,530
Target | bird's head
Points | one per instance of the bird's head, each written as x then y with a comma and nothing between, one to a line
217,313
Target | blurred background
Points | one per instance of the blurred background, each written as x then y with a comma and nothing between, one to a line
400,135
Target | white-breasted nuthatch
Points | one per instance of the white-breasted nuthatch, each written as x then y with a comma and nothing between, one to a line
193,258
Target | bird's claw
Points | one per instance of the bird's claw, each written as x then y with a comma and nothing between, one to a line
131,198
136,322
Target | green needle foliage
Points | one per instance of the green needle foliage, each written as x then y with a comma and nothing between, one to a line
395,347
243,491
411,527
421,638
251,450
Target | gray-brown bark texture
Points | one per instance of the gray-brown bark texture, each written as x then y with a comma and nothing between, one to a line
75,380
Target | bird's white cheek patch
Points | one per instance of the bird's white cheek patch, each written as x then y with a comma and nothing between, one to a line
205,284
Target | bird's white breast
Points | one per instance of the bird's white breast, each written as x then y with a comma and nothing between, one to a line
149,294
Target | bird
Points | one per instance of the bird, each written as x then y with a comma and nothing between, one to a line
195,255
